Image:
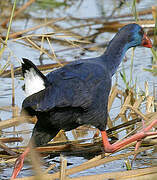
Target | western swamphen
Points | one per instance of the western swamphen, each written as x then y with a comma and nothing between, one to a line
77,93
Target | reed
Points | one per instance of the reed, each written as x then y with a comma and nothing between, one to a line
133,107
134,11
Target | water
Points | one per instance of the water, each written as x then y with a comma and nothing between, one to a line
87,9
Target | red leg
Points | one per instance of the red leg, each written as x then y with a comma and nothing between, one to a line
138,144
136,137
19,163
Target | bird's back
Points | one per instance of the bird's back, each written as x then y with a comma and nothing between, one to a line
76,94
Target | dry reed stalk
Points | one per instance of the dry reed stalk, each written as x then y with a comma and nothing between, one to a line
151,115
154,13
13,85
60,136
149,100
15,109
11,139
120,92
67,31
149,104
75,148
49,168
138,174
53,52
114,26
114,92
62,142
63,168
7,159
137,112
41,50
97,162
17,34
72,43
124,118
149,118
89,164
7,64
126,124
147,122
16,121
74,135
146,23
140,13
46,149
150,140
109,122
7,149
138,102
136,105
18,12
126,103
6,108
42,44
44,67
155,95
146,89
72,149
38,37
97,158
57,39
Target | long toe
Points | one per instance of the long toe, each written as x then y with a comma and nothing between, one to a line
18,166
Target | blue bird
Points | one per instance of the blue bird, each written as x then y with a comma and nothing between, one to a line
77,93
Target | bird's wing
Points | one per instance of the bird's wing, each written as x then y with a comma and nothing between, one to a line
74,95
68,89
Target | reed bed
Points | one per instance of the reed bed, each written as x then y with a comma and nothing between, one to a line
134,107
81,147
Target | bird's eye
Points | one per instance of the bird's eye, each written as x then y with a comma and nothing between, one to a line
141,32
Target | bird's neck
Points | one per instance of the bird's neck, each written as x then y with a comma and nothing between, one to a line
114,54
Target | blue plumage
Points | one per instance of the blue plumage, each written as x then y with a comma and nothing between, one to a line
77,93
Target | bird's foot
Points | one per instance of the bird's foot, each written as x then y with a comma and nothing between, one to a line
19,163
18,166
136,137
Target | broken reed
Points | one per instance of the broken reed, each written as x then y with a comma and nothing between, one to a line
97,161
133,106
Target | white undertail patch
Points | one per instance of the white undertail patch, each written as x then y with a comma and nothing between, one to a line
33,82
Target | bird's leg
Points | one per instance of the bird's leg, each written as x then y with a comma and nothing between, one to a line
39,137
138,144
19,163
136,137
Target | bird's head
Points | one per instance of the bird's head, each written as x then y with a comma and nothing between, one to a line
135,36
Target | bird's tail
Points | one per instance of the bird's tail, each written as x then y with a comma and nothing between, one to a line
35,80
27,65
